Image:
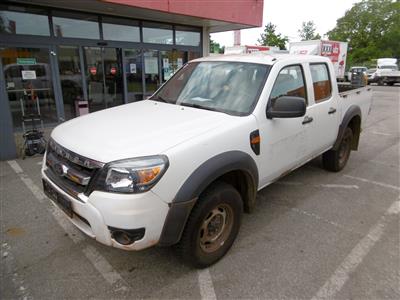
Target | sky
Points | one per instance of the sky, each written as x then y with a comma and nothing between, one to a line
288,16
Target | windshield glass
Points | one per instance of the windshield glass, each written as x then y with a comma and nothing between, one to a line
229,87
393,68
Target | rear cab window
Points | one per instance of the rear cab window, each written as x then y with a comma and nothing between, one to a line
321,82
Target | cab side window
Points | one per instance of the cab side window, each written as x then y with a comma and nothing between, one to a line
321,82
290,82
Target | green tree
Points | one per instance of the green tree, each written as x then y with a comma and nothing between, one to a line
216,47
307,31
270,38
372,29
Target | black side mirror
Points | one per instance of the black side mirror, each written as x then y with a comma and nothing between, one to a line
286,107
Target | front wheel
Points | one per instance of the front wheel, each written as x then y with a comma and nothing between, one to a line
212,226
335,160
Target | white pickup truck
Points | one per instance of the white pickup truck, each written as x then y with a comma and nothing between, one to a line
387,71
181,167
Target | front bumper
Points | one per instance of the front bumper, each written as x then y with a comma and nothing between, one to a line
96,214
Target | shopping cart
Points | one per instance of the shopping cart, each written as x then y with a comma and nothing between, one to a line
34,141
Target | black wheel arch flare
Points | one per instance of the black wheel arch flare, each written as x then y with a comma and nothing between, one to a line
198,181
352,113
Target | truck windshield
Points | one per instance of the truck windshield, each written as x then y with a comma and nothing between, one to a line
393,68
229,87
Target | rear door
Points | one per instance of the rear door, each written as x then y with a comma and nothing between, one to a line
322,109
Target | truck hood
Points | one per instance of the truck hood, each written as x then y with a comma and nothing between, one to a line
133,130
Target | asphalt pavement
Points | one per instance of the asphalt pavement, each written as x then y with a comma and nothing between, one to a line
313,235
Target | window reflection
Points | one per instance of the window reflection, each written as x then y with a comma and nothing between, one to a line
71,79
23,23
116,32
65,27
157,33
133,70
187,38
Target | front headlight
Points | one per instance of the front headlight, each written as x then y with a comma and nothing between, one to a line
135,175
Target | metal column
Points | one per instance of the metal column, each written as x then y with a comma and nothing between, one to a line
8,150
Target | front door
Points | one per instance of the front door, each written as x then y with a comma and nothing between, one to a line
29,84
283,141
103,71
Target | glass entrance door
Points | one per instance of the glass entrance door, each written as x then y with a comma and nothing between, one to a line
29,84
151,72
103,71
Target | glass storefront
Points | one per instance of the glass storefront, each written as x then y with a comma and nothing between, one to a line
53,61
133,71
70,78
29,83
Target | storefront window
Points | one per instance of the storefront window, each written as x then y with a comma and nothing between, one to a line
186,37
151,71
71,79
29,85
117,32
133,71
172,61
23,23
103,77
157,33
86,28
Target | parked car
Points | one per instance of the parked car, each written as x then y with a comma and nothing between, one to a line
371,74
182,166
355,70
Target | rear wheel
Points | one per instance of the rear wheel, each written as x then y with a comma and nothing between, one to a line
335,160
212,226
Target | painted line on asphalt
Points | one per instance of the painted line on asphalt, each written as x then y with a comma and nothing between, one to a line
319,218
381,133
98,261
342,274
339,186
207,291
9,266
374,182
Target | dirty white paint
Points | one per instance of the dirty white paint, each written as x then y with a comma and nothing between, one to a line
374,182
206,285
342,274
98,261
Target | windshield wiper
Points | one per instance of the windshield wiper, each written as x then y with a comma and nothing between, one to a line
200,106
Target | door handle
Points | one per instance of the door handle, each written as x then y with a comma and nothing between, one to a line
332,110
307,119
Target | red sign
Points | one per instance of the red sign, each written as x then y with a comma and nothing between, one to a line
113,70
93,70
331,50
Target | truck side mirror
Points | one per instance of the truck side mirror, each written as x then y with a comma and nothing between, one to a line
286,107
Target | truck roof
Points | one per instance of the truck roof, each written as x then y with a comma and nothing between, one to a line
263,58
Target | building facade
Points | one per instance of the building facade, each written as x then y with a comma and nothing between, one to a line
62,59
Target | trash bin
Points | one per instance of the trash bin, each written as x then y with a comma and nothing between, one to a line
81,107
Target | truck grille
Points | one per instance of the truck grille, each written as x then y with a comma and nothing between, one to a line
70,171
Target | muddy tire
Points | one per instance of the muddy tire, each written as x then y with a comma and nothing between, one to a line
212,226
335,160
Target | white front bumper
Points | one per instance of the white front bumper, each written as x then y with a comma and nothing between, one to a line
133,211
